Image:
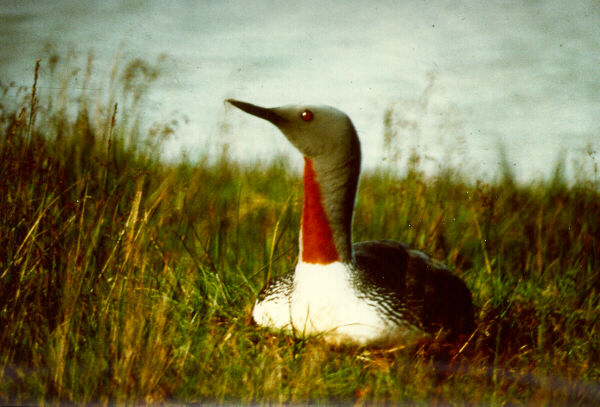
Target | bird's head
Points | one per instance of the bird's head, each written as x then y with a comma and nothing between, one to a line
318,132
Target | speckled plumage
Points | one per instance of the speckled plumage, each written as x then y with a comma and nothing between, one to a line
408,291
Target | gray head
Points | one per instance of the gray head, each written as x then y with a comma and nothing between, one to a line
321,133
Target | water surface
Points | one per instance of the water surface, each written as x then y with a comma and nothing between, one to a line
459,78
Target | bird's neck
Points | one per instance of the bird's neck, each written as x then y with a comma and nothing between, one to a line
326,234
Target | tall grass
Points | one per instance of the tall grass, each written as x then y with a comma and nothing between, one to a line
124,278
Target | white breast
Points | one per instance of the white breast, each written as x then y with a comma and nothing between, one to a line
324,302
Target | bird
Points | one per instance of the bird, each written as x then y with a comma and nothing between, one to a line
368,293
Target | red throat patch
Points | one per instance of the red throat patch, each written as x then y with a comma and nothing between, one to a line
317,237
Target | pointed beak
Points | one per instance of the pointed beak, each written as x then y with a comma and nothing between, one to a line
262,112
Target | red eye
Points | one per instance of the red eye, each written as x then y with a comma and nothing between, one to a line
306,115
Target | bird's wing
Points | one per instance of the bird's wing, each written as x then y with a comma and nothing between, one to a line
430,295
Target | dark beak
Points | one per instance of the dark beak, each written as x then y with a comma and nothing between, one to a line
262,112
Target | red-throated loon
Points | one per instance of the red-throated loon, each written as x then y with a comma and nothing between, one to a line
363,293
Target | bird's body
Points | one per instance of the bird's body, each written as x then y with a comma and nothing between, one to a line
362,293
